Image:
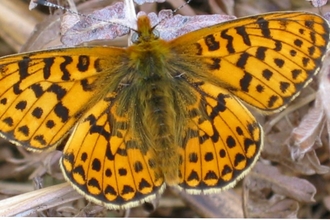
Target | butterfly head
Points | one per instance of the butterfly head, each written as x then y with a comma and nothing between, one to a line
144,33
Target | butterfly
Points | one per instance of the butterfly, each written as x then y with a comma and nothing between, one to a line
160,112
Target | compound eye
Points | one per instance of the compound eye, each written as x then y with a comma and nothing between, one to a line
156,33
135,37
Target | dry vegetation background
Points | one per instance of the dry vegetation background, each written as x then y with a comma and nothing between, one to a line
277,187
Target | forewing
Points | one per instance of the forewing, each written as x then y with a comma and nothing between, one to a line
222,142
42,94
104,162
265,60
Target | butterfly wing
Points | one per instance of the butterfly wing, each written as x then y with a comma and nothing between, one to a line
110,167
43,97
39,102
221,144
265,60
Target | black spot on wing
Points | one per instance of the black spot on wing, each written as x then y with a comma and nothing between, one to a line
85,85
57,90
21,105
208,156
311,50
305,61
61,112
222,153
199,49
47,68
238,159
245,81
108,173
37,112
242,32
66,76
261,53
122,171
50,124
216,64
23,66
3,101
37,90
298,42
193,158
264,27
211,175
272,101
296,73
24,130
229,38
226,169
96,165
94,183
79,170
138,167
144,184
279,62
193,176
284,86
97,65
110,190
8,121
127,190
83,63
230,142
241,62
84,157
211,43
40,139
260,88
309,24
278,45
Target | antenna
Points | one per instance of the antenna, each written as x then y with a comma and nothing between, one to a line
183,5
52,5
173,12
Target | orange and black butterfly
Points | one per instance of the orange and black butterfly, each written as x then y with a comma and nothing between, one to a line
160,111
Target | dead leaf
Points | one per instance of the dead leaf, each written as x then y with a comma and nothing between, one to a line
270,194
226,204
318,3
